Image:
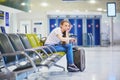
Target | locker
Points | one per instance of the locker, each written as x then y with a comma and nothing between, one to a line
93,31
52,24
97,31
89,24
79,32
72,21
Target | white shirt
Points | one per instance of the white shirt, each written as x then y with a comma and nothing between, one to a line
52,38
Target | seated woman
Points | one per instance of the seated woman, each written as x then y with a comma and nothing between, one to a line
59,38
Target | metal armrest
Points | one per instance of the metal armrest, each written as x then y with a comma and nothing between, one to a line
42,49
33,50
22,53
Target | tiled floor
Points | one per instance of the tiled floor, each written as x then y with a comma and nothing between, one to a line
102,63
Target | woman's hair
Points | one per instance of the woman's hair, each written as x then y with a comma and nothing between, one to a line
63,21
64,33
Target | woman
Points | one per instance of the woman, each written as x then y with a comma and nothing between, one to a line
59,38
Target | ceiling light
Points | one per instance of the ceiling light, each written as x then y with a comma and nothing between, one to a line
99,9
76,10
86,10
23,4
44,4
57,10
104,10
31,5
29,11
92,1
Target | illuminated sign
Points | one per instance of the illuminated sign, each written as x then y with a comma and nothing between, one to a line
111,9
7,19
1,14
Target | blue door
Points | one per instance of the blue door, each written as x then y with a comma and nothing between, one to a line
89,30
52,24
79,32
72,21
93,31
97,31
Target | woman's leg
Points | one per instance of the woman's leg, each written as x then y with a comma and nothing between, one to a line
69,55
69,52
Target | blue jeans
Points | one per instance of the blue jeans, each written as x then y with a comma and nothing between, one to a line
69,51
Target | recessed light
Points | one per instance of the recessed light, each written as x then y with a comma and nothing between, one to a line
92,1
76,10
31,5
23,4
57,10
104,10
86,10
44,4
29,11
99,9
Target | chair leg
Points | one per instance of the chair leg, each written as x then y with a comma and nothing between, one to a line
59,66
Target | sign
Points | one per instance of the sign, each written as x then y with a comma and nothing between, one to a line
1,14
111,9
7,19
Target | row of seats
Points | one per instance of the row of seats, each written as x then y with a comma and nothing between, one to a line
25,53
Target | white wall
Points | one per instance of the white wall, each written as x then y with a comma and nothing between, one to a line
116,26
12,28
34,18
106,27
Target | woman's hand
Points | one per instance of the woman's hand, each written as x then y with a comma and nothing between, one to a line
72,40
69,29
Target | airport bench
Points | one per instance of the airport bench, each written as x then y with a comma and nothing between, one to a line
13,49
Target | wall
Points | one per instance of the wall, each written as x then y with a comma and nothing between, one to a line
34,18
12,28
106,27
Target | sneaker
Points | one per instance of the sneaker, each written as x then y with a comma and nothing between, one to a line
72,68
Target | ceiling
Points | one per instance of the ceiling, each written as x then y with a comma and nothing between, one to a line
60,5
72,5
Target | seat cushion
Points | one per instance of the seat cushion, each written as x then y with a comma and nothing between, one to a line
60,53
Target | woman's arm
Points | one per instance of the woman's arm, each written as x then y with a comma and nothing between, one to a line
66,37
63,39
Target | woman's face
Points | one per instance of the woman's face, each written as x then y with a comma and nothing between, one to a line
65,26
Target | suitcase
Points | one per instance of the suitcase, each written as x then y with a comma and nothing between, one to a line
79,58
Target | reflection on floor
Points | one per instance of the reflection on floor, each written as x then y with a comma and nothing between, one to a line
102,63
